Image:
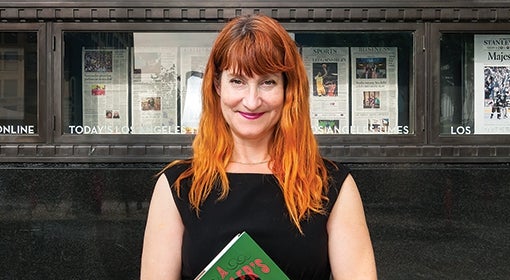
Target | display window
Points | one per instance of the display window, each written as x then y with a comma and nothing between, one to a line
474,84
359,81
133,82
145,82
19,80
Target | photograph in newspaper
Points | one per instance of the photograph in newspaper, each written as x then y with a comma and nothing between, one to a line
374,90
492,84
154,84
328,74
105,91
193,61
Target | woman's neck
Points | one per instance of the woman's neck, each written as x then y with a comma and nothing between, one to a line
250,157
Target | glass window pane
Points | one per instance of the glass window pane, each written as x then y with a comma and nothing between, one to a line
10,88
456,83
133,83
359,82
475,84
18,83
149,83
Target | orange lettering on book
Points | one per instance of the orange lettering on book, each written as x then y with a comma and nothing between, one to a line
222,272
264,268
249,272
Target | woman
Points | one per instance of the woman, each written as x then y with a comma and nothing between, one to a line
256,167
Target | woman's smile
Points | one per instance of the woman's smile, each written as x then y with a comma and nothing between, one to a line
251,116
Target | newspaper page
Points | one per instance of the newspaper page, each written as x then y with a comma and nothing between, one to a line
492,84
105,92
374,90
328,74
193,62
154,85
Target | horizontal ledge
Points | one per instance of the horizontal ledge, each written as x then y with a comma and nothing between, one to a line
166,153
306,14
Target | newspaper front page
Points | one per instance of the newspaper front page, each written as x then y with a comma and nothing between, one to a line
492,84
328,74
374,90
105,92
154,84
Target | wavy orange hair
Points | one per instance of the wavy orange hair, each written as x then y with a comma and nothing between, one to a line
259,45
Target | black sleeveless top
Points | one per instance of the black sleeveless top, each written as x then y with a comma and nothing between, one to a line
255,204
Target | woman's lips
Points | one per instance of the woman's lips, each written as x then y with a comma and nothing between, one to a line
251,116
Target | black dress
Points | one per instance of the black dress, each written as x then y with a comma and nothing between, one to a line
255,205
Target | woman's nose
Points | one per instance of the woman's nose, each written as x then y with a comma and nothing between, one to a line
252,98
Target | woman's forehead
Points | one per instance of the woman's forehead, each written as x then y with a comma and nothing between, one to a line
232,73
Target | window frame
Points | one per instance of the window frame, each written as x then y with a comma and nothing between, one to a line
120,139
416,80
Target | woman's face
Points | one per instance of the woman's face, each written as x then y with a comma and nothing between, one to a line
251,106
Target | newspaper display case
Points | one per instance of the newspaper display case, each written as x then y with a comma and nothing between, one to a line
122,86
360,82
132,83
122,81
471,77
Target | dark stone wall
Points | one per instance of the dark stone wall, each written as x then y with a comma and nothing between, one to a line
73,222
86,221
438,221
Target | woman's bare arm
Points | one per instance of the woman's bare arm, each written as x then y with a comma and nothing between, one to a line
350,248
161,256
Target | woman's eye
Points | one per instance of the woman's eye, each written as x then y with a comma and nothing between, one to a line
236,81
269,82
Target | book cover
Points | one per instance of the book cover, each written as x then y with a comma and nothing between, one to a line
242,258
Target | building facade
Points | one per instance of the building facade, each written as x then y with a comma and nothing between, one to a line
96,97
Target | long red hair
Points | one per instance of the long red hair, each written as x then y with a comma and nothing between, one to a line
259,45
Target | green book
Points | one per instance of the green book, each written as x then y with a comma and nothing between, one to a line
242,259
